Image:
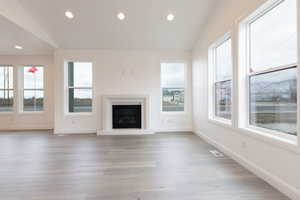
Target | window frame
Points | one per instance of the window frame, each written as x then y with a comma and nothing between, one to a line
67,87
22,90
244,75
15,92
212,81
184,87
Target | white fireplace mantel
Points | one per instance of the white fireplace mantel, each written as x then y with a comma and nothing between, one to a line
107,101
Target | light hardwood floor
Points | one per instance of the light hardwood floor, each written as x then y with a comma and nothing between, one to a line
41,166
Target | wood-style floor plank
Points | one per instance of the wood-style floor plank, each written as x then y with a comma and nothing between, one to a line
177,166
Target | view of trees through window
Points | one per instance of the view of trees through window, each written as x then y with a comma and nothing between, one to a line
33,88
173,99
223,76
273,100
272,80
223,99
80,86
6,89
172,83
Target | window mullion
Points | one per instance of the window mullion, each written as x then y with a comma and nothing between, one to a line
33,98
173,91
221,96
79,99
273,69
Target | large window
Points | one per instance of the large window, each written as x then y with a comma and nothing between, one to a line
221,61
33,88
173,86
273,37
272,68
6,89
273,100
80,87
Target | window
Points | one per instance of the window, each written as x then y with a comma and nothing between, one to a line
273,37
33,89
272,69
273,100
173,86
6,89
221,60
80,87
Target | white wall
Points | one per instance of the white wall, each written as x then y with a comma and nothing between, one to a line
121,72
275,161
21,121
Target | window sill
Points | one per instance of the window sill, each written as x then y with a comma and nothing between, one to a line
287,143
32,113
7,113
79,114
173,113
221,122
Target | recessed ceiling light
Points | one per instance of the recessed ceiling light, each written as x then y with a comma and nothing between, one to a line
121,16
170,17
69,14
18,47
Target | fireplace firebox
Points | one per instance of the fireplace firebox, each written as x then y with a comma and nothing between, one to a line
127,116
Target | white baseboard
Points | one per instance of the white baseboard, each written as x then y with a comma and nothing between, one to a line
118,132
26,129
275,181
125,132
23,128
74,131
172,130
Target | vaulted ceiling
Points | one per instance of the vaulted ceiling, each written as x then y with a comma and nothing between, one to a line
12,35
96,26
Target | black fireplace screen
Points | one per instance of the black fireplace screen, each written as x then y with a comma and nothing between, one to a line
127,116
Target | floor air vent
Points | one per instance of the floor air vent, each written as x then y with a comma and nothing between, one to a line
216,153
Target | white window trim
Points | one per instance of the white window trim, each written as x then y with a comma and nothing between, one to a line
243,79
211,82
185,88
15,92
66,90
20,89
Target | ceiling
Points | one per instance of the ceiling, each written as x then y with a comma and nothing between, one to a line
12,34
96,25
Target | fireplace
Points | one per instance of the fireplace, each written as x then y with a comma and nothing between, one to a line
114,109
126,116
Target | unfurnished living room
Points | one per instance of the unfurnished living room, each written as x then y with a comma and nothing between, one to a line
149,100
